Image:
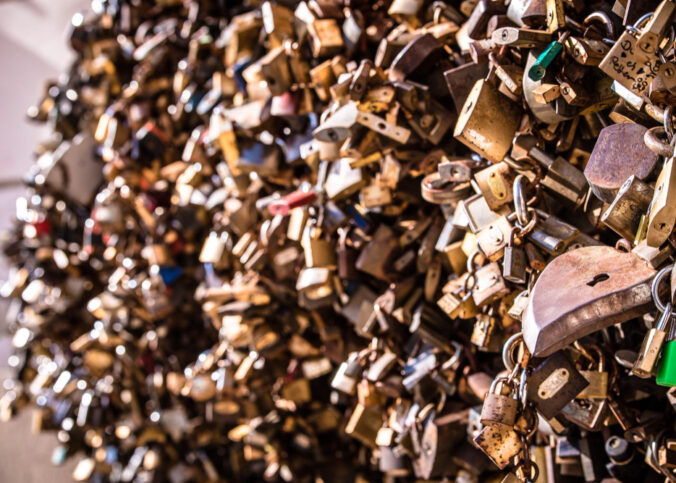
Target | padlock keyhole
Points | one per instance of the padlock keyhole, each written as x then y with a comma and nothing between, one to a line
601,277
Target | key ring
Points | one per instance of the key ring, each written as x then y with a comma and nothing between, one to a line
654,288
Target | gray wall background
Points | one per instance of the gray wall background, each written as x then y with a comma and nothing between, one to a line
33,48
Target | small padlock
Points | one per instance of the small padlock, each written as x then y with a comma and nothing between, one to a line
652,344
597,379
345,379
554,383
666,369
499,408
515,263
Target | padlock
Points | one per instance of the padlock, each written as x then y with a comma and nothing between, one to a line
586,413
500,443
483,333
514,263
499,408
661,216
493,239
495,184
652,345
622,146
489,285
487,122
624,213
633,61
600,276
597,379
666,372
345,379
364,424
441,434
554,383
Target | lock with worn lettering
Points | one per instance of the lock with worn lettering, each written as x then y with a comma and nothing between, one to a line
634,61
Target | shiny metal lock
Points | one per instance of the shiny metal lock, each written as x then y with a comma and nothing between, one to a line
652,345
499,408
586,413
493,239
554,383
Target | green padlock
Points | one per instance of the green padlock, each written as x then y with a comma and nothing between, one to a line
666,368
539,68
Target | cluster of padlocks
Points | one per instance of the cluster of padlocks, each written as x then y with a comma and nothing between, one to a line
340,240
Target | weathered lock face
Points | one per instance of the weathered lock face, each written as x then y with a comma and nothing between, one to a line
619,153
554,384
582,291
500,443
490,285
661,214
624,214
495,183
487,122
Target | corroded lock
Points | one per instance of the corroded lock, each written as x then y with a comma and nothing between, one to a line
499,408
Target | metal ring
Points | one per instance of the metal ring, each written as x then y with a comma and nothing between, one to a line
534,473
654,288
508,351
525,230
520,204
603,18
446,194
655,144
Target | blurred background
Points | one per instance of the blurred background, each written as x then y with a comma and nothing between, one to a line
33,48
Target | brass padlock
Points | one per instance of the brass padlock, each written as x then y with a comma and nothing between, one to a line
623,216
495,183
487,122
662,214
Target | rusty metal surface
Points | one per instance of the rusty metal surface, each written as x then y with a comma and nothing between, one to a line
618,153
583,291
